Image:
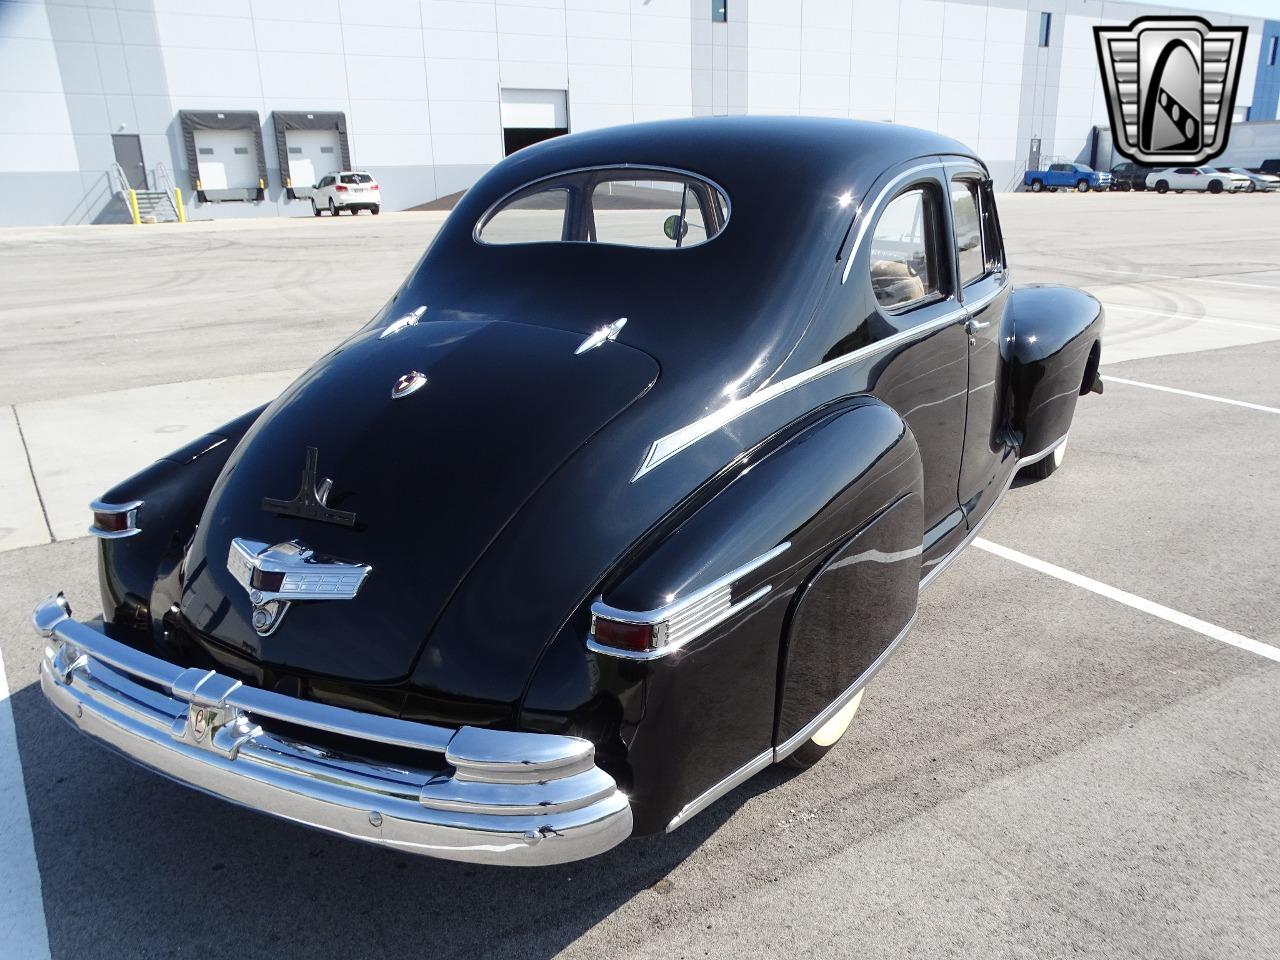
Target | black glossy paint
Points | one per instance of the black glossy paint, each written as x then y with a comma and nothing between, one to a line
499,500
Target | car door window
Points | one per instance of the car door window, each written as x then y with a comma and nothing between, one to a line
970,257
904,265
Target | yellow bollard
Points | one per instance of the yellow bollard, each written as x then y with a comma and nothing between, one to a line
182,211
133,207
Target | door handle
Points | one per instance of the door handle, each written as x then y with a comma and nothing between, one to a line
972,325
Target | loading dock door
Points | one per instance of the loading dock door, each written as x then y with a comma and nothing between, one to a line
228,159
531,116
312,155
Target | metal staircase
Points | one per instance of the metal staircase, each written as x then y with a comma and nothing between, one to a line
162,205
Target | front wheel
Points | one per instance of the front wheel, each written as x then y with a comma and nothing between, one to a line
315,211
1046,467
1215,186
1082,186
1162,186
827,736
1037,186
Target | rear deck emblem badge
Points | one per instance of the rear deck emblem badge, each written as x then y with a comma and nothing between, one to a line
275,577
309,503
1171,87
411,382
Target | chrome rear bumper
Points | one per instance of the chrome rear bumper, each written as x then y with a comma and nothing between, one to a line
519,799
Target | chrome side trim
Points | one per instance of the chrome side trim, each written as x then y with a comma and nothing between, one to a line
606,333
866,218
681,621
476,795
1022,462
664,448
801,736
130,508
710,796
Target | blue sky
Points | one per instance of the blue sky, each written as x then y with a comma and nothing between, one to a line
1248,8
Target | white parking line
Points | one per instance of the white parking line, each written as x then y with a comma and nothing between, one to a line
23,933
1176,315
1131,600
1190,393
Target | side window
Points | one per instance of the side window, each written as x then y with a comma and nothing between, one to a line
968,227
904,267
536,217
992,242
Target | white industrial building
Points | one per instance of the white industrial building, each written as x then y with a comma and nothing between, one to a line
243,104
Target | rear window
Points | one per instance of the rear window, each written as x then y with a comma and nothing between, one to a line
624,206
356,178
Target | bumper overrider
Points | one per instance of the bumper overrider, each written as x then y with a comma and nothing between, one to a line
482,796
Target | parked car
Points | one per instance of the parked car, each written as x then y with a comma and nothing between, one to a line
1265,182
624,496
1075,176
351,190
1129,176
1269,166
1201,179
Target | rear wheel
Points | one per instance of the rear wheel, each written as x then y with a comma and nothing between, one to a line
1037,186
376,210
1046,467
1215,186
827,736
333,210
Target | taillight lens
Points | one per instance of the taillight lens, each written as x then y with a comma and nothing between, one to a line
340,188
623,635
110,522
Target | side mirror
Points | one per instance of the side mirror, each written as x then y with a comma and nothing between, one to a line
675,227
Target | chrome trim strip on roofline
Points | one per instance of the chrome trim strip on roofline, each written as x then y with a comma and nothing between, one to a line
497,204
1022,462
798,739
664,448
667,613
864,219
711,795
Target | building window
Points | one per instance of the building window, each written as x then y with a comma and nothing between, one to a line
1046,21
1271,51
720,11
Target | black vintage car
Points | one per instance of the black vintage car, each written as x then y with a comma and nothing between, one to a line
623,496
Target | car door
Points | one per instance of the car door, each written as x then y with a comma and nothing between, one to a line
989,453
907,258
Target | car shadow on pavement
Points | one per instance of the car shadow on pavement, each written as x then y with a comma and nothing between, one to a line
134,865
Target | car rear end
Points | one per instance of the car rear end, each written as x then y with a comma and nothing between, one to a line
357,190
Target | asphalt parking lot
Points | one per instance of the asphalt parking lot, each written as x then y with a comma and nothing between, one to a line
1078,759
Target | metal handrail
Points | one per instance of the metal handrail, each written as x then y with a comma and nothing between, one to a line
120,181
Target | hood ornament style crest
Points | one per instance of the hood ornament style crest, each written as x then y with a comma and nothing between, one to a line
309,502
276,576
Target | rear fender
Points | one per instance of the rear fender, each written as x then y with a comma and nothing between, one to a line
138,575
673,728
1052,353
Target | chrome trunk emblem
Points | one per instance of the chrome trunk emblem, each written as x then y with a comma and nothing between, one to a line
411,382
309,502
276,576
